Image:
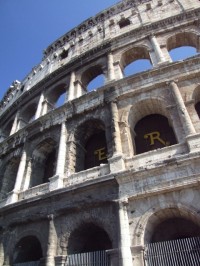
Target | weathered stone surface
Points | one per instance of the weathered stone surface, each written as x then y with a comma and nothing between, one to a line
56,195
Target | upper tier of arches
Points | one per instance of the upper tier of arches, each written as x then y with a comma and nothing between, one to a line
110,67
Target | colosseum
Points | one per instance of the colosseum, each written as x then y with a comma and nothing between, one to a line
107,176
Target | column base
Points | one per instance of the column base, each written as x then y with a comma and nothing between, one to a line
193,142
56,182
138,255
12,197
116,163
60,260
113,255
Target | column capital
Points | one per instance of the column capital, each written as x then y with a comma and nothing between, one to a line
173,81
123,202
50,217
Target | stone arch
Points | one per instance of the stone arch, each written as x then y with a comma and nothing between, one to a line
7,128
89,151
196,98
21,233
27,114
2,251
8,175
90,74
148,223
43,162
27,249
53,94
182,39
132,54
88,237
146,109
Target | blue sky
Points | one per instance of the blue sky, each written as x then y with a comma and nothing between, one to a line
27,27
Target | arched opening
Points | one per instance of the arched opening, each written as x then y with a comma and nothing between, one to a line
182,45
182,53
124,22
174,236
8,176
92,78
56,97
174,228
137,66
91,145
96,150
44,162
153,132
61,100
96,83
6,130
49,168
27,115
88,238
135,60
28,249
197,108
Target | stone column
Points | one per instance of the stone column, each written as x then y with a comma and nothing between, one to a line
27,174
15,124
138,255
1,253
78,89
182,111
39,107
125,257
156,47
6,260
60,167
52,243
118,71
44,107
71,87
13,195
116,161
117,148
111,73
57,181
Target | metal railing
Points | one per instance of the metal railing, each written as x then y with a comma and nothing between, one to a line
181,252
28,263
96,258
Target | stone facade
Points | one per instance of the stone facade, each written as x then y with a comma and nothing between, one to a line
61,193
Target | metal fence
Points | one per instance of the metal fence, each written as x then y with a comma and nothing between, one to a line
29,263
97,258
181,252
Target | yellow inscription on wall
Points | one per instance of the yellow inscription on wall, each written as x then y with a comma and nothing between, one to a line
155,136
101,153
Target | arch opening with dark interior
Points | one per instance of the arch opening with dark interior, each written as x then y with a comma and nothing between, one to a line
197,108
91,145
153,132
88,238
44,162
175,228
28,249
8,176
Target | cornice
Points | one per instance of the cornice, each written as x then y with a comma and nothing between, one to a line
93,21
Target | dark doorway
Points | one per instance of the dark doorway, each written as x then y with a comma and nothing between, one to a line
96,150
153,132
27,249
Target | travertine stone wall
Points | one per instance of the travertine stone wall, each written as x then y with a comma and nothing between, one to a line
45,189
